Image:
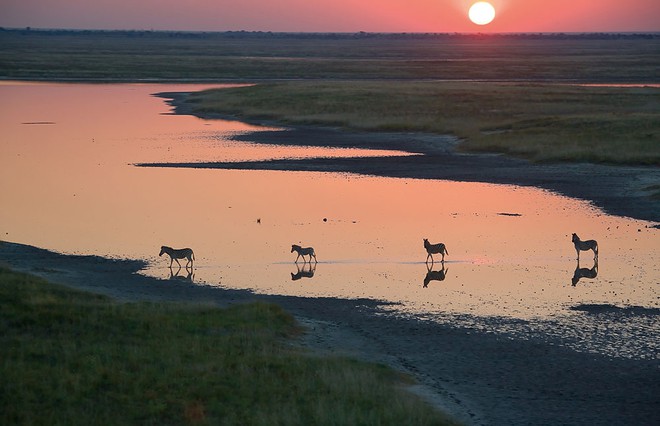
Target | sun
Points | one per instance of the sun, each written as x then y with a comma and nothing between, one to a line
482,13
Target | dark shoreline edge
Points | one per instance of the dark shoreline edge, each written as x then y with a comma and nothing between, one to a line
617,190
479,378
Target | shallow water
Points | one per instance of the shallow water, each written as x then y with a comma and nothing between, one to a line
68,184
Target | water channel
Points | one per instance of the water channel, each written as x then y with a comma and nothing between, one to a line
69,183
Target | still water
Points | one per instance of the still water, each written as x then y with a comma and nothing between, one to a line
68,183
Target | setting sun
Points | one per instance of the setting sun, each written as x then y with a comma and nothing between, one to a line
481,13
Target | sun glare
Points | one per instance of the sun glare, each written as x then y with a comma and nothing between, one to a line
481,13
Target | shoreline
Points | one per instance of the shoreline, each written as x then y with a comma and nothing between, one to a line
479,377
476,377
619,190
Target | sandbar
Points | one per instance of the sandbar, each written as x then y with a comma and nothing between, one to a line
618,190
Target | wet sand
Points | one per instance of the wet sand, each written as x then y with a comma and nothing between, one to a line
618,190
480,378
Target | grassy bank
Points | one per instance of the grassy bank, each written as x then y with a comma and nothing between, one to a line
542,122
74,358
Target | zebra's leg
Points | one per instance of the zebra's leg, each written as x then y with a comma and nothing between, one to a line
310,259
177,262
297,257
171,260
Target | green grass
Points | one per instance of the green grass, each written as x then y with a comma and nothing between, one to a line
74,358
541,122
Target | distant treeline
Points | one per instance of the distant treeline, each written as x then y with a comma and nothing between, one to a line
334,36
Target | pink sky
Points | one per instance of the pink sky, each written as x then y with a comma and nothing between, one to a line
333,15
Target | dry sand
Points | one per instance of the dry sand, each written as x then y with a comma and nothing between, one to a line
479,378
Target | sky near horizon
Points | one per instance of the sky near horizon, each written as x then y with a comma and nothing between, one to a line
333,15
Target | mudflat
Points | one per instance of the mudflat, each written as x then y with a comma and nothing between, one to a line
617,189
479,378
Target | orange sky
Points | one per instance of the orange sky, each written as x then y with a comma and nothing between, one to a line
333,15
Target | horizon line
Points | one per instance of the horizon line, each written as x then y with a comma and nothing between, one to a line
357,32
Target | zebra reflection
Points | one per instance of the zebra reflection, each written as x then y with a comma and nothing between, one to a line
305,271
585,272
176,277
435,275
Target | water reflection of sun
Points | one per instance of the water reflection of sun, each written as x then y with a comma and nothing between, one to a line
481,13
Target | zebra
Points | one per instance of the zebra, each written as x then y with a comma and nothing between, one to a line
306,251
432,249
584,246
176,254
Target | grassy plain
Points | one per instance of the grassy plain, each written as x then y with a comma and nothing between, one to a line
245,56
503,95
542,122
74,358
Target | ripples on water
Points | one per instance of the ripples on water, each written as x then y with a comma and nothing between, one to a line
622,332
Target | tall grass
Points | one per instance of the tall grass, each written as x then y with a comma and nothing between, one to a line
74,358
542,122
